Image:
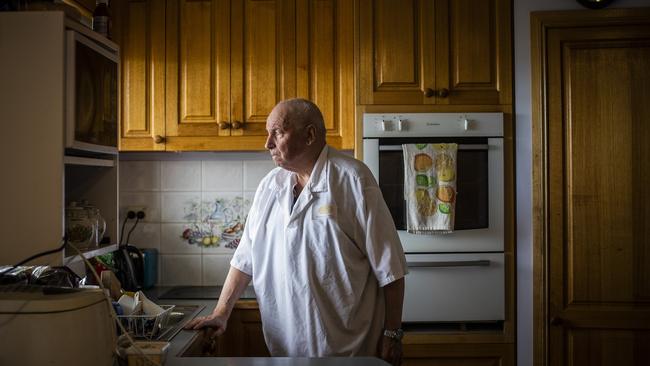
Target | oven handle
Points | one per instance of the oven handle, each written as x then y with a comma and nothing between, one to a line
476,263
460,147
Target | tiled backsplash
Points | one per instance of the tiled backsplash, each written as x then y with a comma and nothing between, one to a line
195,208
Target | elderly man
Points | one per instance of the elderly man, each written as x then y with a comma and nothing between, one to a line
321,248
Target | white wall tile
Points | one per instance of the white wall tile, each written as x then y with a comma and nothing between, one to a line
181,270
180,176
145,235
222,176
215,269
248,201
150,201
180,206
139,176
172,242
254,171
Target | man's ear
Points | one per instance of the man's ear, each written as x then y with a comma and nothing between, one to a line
311,134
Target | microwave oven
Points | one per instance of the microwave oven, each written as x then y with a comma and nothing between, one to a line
91,112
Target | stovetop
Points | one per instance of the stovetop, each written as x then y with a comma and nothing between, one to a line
201,293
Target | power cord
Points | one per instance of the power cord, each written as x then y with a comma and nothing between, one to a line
139,216
129,215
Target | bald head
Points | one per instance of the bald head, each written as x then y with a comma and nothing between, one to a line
296,135
301,113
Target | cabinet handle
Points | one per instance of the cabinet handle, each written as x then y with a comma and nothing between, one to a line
224,125
237,125
158,139
442,93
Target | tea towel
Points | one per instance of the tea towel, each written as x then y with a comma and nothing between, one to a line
430,187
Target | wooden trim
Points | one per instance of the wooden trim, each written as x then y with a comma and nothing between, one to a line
541,23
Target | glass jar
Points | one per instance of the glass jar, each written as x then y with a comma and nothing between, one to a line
80,229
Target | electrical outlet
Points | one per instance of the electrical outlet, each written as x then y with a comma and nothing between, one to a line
136,209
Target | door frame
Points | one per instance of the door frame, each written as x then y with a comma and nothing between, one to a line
540,23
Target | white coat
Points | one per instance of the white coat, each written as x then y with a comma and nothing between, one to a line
318,267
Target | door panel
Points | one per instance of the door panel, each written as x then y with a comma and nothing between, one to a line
598,183
397,51
467,61
325,64
263,50
142,48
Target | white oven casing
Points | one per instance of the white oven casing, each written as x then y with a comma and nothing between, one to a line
460,276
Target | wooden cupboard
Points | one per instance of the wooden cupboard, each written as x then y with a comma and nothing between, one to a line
468,354
435,52
204,75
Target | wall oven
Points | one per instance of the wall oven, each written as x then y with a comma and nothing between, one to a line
455,277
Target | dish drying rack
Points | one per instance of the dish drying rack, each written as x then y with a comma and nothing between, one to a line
146,326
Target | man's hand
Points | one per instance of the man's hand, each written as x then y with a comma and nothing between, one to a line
390,350
214,321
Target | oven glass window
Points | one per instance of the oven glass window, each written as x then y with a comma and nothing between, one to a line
471,185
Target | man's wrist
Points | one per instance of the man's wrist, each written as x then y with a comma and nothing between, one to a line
394,334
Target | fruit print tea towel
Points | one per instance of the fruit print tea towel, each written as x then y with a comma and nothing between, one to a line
430,187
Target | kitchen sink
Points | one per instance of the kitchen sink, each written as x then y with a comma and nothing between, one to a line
179,316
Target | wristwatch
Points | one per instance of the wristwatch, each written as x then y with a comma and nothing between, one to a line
395,334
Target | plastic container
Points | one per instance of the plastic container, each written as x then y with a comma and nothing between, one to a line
155,351
150,275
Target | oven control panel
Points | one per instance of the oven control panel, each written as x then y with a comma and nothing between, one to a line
377,125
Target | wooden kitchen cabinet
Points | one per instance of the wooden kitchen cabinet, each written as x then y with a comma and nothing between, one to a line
242,338
435,52
478,354
139,29
204,75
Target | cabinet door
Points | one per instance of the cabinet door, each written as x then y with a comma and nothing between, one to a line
139,28
434,52
197,72
396,54
458,354
473,52
325,69
263,62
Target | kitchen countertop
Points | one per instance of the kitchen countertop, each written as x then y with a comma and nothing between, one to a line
185,337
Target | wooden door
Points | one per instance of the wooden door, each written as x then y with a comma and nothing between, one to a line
325,66
139,29
592,187
435,52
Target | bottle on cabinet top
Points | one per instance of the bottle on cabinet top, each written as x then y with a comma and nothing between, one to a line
101,18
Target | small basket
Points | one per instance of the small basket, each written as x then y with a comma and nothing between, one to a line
145,326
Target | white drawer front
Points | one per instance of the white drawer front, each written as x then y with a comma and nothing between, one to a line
454,287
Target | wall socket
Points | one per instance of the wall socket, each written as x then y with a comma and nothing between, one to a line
136,209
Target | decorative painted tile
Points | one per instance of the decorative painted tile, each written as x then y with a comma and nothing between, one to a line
181,176
149,201
181,270
180,206
222,176
139,176
217,222
254,171
172,242
215,269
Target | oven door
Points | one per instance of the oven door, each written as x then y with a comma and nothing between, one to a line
466,287
479,203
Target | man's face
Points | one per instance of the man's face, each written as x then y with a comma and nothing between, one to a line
285,142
